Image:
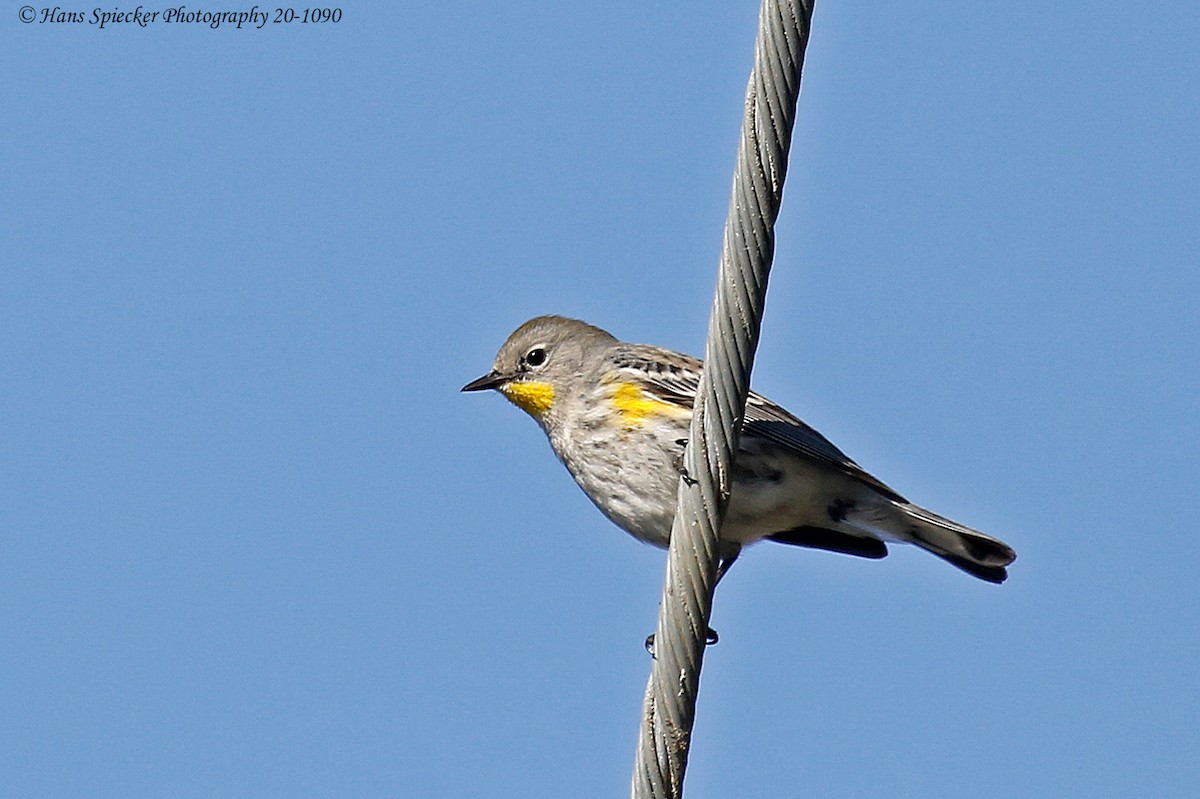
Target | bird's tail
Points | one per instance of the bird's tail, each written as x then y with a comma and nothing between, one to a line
970,550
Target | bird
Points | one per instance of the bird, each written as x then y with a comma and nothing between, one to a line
617,416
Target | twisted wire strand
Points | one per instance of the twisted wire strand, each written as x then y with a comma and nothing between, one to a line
733,329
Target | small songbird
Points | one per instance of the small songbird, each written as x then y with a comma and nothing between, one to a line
616,414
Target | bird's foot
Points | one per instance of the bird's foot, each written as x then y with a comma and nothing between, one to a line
679,465
710,638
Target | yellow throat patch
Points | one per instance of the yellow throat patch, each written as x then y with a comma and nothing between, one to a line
531,396
636,406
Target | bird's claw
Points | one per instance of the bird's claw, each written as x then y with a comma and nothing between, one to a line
679,465
710,638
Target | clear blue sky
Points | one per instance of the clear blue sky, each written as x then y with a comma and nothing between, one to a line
254,543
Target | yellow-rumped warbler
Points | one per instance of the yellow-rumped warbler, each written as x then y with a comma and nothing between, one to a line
616,415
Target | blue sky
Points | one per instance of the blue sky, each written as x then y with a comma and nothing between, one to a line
253,542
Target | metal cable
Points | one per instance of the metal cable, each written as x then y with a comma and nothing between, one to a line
733,328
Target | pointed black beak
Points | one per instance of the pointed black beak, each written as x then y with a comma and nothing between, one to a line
490,380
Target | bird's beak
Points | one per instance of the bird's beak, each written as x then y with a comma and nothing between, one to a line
491,380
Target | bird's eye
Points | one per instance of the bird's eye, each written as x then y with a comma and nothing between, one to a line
535,357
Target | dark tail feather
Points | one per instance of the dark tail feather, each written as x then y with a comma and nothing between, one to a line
970,550
993,574
832,540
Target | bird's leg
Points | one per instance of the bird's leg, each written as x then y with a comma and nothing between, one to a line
710,635
726,562
679,464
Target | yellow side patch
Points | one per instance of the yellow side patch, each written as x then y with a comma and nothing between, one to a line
530,396
636,406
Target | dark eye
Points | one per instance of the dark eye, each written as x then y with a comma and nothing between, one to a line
535,357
